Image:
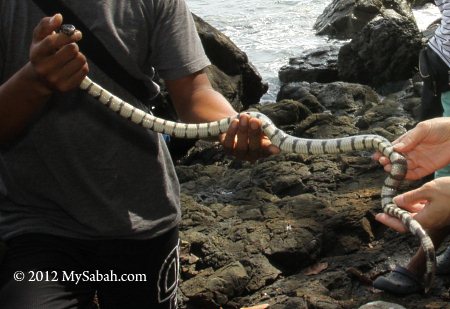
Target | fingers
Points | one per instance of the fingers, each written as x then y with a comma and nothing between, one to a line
270,148
245,139
254,135
412,138
426,219
412,201
433,217
391,222
417,202
249,138
408,199
52,43
404,144
242,141
48,40
377,156
65,70
414,171
47,26
70,67
56,58
228,140
415,208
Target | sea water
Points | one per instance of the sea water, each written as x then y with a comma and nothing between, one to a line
272,31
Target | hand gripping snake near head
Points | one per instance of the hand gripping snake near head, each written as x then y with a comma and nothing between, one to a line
286,143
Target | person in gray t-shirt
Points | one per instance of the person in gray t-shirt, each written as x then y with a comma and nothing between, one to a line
80,188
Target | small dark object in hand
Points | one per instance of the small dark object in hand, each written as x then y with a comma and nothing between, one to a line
67,29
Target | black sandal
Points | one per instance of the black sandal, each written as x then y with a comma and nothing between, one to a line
399,281
443,263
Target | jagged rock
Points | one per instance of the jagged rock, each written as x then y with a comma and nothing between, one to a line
285,112
215,289
249,231
343,18
231,73
325,126
419,3
319,65
245,81
344,98
385,50
381,305
300,92
337,97
287,181
261,272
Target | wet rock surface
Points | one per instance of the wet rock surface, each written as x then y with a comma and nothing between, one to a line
297,231
343,18
419,3
385,50
243,84
230,73
318,65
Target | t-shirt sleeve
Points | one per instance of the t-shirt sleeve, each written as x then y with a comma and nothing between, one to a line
176,49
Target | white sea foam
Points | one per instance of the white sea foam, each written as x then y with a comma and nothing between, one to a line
426,15
272,31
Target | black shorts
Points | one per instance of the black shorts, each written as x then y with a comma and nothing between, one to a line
43,271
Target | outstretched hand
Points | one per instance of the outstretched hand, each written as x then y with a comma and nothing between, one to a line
246,140
429,205
426,148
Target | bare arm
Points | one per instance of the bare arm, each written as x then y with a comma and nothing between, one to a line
196,101
55,65
17,106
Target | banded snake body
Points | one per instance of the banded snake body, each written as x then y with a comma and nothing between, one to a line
286,143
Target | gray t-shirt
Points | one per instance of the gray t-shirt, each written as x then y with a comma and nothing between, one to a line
79,170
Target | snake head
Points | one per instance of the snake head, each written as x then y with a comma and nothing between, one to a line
67,29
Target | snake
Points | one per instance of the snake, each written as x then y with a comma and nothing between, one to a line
286,143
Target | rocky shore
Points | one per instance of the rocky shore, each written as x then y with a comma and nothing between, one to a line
297,231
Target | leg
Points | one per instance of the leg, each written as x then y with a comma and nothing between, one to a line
417,263
157,259
41,260
408,280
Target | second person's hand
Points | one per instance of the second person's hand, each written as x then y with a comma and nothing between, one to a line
429,205
426,148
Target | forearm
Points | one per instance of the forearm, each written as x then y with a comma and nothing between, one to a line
195,100
205,105
21,97
56,64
